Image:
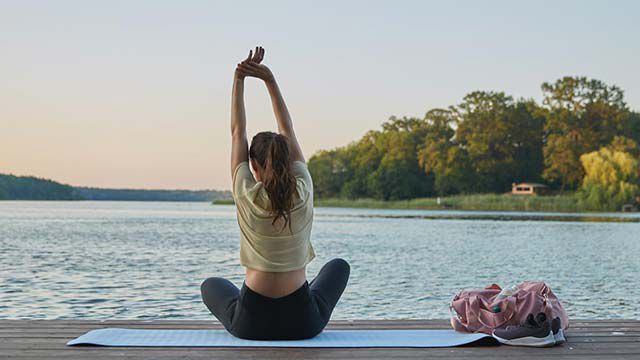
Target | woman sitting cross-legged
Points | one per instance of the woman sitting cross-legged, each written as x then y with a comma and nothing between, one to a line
275,214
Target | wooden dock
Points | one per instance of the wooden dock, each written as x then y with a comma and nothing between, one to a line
45,339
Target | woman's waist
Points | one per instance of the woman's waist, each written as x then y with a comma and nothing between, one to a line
275,284
271,260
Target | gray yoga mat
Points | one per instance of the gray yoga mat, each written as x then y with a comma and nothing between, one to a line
327,339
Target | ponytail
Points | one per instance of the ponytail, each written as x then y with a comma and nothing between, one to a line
271,151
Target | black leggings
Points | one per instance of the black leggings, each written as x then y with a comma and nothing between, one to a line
300,315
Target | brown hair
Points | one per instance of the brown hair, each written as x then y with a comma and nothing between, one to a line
271,152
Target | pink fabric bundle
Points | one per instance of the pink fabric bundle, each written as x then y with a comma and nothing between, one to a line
492,307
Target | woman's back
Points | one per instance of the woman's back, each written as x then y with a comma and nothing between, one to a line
274,254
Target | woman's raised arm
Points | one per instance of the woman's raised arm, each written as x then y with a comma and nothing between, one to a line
239,144
285,124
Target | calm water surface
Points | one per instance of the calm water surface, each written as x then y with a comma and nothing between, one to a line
110,260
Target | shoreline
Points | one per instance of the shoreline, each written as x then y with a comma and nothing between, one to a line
478,202
565,203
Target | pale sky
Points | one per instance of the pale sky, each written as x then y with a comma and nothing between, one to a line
136,94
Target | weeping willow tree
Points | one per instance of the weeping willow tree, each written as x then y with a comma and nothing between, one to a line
611,178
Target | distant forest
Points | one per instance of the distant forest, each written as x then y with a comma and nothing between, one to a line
32,188
582,138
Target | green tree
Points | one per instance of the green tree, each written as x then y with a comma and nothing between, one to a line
611,179
329,172
32,188
625,144
632,127
440,156
583,115
383,164
364,158
398,176
503,140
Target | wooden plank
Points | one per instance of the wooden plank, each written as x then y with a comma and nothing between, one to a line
39,339
322,355
56,343
474,352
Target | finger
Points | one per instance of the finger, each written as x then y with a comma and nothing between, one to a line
249,57
256,58
261,54
255,54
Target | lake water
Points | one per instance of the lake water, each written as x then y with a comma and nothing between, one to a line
134,260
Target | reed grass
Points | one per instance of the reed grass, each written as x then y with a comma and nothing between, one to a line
486,202
567,202
223,202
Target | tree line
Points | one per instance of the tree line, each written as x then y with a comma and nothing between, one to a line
32,188
484,144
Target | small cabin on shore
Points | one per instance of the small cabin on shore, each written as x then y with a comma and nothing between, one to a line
528,189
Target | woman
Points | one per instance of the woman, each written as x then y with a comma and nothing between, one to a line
275,213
